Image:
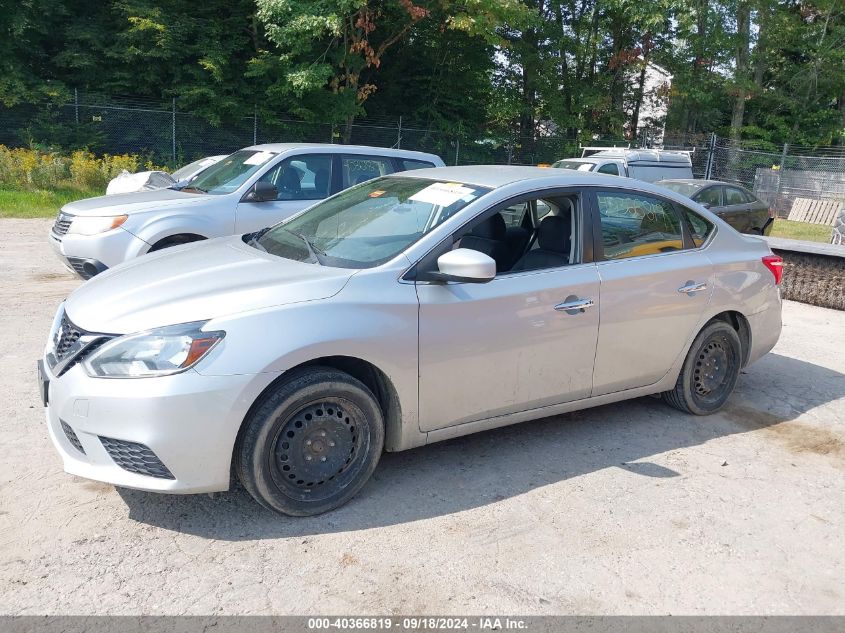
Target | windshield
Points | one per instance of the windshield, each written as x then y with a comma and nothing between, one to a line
370,223
190,168
574,164
687,189
230,173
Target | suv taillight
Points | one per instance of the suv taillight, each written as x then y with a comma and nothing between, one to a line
775,264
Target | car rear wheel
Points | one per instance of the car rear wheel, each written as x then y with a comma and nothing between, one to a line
710,371
312,443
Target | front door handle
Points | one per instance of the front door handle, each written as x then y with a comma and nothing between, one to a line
691,287
574,305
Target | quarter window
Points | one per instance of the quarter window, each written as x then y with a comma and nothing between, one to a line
633,225
700,229
358,169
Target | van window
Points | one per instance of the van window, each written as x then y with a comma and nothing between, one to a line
358,169
653,173
609,168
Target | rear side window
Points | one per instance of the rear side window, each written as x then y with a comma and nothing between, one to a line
734,196
710,196
699,228
633,225
409,164
749,198
358,169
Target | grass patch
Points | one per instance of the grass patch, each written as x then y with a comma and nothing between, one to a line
38,204
802,231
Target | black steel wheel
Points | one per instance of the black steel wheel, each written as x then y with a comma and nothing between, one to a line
312,443
710,371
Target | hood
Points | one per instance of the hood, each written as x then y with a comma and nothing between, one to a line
194,282
135,202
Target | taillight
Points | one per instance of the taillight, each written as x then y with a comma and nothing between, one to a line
772,212
775,264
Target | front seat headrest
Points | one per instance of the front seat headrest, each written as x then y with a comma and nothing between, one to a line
493,228
555,234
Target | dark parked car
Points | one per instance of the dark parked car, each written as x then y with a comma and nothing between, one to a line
734,204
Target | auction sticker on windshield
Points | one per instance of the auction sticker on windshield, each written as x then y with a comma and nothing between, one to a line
443,193
259,158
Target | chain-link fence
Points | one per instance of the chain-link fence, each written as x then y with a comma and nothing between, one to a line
168,136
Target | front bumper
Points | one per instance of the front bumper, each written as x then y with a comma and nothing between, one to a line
188,423
89,255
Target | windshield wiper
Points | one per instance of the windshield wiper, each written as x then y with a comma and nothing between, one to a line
313,251
252,238
193,188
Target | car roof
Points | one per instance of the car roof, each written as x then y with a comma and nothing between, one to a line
334,147
495,176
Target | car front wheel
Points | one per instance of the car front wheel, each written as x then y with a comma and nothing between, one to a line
312,443
710,371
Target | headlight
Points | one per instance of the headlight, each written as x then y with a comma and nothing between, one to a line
88,225
159,352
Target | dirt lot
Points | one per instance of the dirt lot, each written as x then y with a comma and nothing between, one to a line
628,508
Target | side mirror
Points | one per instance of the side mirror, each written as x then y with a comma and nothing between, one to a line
464,265
261,192
706,205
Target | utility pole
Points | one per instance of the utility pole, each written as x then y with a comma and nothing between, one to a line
76,104
173,131
711,151
255,125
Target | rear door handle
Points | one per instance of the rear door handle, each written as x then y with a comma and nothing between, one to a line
690,287
574,305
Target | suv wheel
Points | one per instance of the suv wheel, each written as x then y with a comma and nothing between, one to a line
710,371
312,443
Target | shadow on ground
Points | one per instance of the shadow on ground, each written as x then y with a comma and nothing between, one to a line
480,469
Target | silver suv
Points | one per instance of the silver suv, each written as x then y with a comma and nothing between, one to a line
253,188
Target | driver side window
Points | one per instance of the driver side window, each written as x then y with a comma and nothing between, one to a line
518,246
306,177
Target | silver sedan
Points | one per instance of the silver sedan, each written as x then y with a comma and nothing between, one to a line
407,310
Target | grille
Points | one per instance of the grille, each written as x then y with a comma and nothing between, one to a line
68,335
72,437
136,458
62,224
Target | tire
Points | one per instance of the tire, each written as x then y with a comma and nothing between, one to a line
174,240
710,371
312,442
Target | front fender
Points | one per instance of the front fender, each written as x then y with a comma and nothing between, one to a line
157,228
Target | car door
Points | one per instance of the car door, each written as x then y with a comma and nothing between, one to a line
736,210
655,285
300,181
510,345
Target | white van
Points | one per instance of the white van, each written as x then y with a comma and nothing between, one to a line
649,165
254,188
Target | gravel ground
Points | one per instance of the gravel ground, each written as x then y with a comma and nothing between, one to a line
631,508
